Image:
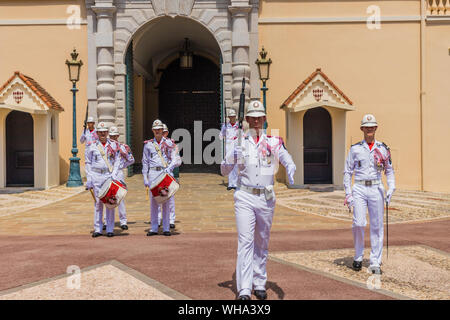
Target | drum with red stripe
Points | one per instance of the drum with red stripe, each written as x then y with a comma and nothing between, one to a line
112,193
163,187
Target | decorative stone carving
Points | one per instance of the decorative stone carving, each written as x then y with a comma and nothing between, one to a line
173,7
106,109
240,43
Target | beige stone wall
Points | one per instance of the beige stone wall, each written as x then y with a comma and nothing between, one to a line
379,70
436,109
40,51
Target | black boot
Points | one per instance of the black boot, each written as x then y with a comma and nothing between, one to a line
357,265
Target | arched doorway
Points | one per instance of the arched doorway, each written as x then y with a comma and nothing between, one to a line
189,98
317,141
19,149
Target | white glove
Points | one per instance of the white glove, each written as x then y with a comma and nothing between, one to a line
349,201
291,179
389,195
89,184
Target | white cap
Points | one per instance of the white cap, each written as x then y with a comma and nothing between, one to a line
90,119
165,128
157,124
369,121
102,127
231,113
113,131
255,109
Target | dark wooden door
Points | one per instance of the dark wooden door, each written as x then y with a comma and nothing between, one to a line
19,149
317,140
186,96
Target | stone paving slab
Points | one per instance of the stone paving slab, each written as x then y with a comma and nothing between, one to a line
14,203
416,272
111,280
202,205
406,206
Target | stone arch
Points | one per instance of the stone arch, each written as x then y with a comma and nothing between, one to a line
131,21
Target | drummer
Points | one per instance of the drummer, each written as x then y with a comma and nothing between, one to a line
102,162
172,199
159,157
126,159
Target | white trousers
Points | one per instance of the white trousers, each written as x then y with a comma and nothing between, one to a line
122,213
171,210
371,198
97,181
254,216
233,177
98,218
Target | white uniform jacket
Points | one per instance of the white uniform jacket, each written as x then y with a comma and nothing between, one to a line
151,158
260,161
97,171
368,164
126,159
88,136
229,131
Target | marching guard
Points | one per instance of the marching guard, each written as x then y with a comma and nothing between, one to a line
254,199
159,155
367,159
229,132
127,159
172,199
102,162
89,134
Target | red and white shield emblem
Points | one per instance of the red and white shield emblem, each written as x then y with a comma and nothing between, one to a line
18,95
318,94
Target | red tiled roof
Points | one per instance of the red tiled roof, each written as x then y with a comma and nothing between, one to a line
308,80
37,89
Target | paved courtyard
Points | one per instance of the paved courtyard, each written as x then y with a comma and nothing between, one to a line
44,233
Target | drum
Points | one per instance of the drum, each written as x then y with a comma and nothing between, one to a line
163,187
112,192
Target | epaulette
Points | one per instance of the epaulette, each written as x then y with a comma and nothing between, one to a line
151,140
385,145
360,142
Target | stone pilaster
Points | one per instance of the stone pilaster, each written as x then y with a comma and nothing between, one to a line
240,44
106,109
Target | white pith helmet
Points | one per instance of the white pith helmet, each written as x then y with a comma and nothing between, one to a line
369,121
157,124
255,109
113,131
102,127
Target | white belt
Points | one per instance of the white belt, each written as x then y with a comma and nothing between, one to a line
367,183
101,171
156,169
251,190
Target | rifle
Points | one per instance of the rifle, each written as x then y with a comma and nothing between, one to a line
241,111
85,117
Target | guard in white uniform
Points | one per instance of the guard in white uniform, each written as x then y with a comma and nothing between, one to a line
89,134
257,160
171,199
127,159
159,155
366,160
229,131
102,162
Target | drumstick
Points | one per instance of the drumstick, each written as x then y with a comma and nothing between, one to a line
146,193
92,193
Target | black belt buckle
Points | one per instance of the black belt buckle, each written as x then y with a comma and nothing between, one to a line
368,183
